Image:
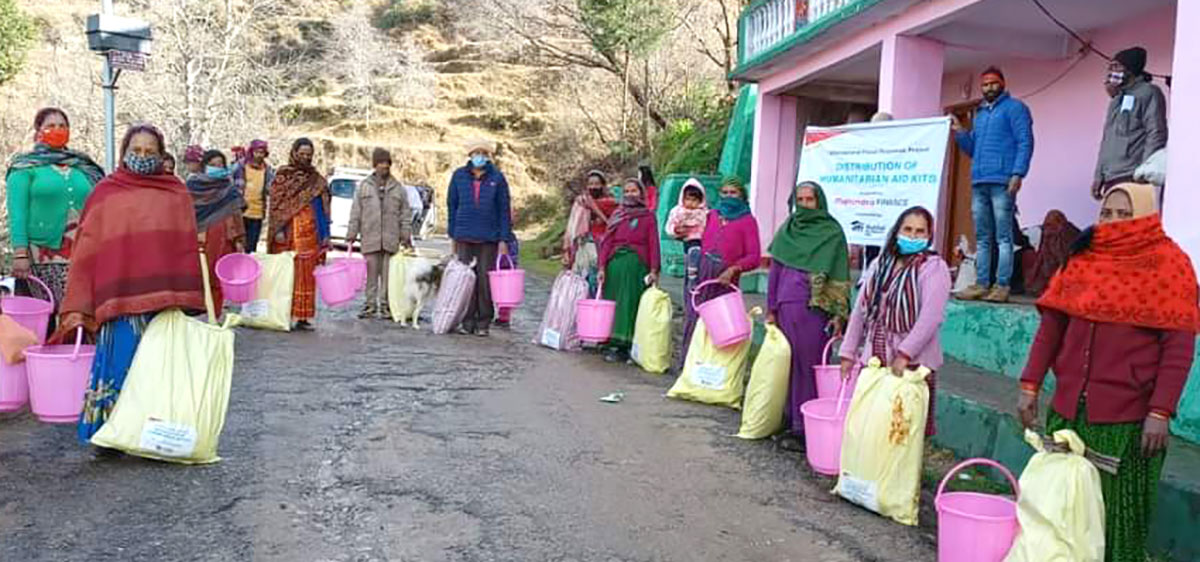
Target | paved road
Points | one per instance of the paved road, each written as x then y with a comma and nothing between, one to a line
367,441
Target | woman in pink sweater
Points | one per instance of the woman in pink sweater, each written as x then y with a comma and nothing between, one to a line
730,246
902,305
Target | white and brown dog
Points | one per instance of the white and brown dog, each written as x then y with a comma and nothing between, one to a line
422,279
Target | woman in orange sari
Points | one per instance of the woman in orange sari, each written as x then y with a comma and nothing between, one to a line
299,222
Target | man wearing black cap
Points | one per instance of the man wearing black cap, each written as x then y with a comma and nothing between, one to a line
1136,125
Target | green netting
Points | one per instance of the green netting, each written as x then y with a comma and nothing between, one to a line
739,140
670,249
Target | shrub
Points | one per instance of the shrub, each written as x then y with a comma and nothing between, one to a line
405,13
17,32
537,209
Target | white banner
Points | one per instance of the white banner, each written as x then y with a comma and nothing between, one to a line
872,172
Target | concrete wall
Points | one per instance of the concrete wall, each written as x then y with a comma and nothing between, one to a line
1068,116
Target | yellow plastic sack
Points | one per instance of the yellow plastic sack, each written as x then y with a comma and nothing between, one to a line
1061,508
884,441
398,305
652,331
766,395
712,375
271,308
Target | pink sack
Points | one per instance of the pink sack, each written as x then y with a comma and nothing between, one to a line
454,296
557,330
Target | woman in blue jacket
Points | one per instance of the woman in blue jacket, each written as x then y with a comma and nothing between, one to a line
479,225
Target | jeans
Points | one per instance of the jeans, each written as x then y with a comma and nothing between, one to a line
253,231
992,210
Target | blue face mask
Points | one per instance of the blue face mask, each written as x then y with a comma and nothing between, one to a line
909,246
143,165
479,160
216,172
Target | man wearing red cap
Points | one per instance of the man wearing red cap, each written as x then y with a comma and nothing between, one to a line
1001,146
1136,125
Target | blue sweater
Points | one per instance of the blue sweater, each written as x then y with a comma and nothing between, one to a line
1001,142
486,220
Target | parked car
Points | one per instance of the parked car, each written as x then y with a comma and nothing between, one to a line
342,184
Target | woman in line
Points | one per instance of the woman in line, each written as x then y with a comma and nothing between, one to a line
47,188
218,214
902,305
168,164
1118,327
592,210
135,256
729,248
647,178
808,289
299,222
629,262
252,178
191,160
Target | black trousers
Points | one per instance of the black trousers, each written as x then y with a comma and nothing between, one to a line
480,312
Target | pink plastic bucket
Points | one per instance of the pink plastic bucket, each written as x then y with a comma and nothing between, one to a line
508,285
594,318
336,284
58,379
829,375
14,387
724,316
33,314
974,527
238,274
824,421
358,267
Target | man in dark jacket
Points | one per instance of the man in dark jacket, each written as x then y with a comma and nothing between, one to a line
1136,125
479,224
1001,147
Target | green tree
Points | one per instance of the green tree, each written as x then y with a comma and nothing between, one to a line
17,31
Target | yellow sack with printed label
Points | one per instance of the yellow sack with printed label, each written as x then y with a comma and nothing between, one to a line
711,374
271,308
652,331
1061,508
766,395
884,442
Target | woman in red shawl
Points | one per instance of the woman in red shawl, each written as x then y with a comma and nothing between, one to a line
135,255
299,222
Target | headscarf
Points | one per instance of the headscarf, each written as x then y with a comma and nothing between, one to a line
813,241
1130,273
215,199
631,209
733,208
1057,235
255,145
297,187
43,155
193,153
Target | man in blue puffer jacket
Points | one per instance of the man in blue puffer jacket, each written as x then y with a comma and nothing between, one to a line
1001,146
480,223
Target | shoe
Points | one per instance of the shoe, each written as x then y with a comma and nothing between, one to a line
481,332
612,356
366,314
997,295
502,323
972,293
303,326
463,331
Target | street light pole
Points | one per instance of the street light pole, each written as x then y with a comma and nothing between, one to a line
110,103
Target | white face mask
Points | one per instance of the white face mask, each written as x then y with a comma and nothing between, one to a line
1116,78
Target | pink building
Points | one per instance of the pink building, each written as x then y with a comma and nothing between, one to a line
826,62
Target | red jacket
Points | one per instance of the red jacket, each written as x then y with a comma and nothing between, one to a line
1125,371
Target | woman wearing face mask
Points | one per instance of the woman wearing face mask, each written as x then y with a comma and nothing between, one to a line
729,248
1118,327
47,188
135,255
299,222
480,225
586,226
902,305
629,261
218,213
808,290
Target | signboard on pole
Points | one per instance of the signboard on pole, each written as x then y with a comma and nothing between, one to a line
872,172
127,60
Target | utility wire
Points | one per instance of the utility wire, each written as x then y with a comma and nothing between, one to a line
1086,44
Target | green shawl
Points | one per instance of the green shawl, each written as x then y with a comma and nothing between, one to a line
812,241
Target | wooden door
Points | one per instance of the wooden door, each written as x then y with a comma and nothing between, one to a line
958,202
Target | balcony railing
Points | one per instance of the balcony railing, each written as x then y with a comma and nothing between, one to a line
766,24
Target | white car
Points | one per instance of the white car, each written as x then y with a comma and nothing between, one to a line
342,184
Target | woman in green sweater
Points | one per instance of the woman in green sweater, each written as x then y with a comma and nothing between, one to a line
47,188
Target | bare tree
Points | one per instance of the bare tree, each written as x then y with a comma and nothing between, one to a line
375,70
724,24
